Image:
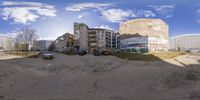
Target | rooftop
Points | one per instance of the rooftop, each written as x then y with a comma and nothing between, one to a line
193,34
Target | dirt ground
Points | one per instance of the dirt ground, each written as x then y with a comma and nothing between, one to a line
99,78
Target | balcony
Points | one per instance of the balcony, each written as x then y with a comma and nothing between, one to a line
92,44
92,36
92,39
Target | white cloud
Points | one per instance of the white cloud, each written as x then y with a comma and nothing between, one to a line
166,10
198,21
26,12
104,27
35,4
9,3
145,13
46,12
80,16
19,15
118,15
83,6
198,12
111,14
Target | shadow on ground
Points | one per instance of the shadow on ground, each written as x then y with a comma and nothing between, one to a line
99,78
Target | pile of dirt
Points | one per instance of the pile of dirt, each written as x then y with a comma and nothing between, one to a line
182,78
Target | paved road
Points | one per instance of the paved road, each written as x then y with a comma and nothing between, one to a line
93,78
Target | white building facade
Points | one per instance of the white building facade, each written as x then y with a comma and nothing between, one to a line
185,42
6,42
42,44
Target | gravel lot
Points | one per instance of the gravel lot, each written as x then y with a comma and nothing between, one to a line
98,78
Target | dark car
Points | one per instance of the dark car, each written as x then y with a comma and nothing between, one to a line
47,55
82,52
97,53
105,52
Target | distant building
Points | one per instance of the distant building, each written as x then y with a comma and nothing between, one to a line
145,33
90,39
6,42
64,42
185,42
42,44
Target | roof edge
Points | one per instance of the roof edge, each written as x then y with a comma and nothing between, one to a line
185,35
6,35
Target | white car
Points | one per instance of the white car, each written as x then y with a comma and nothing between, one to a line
47,55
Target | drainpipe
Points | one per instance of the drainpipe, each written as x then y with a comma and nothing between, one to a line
111,39
116,41
100,41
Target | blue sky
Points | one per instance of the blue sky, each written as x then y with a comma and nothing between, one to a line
52,18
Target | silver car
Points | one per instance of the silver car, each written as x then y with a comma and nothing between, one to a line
47,55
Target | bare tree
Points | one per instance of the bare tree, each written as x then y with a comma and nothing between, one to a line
25,38
17,41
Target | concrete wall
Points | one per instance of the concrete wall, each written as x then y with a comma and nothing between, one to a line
81,35
185,42
157,44
145,27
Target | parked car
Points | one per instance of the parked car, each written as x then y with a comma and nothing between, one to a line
97,53
82,52
47,55
105,52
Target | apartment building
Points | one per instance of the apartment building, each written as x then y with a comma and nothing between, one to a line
41,45
81,36
145,33
64,42
6,42
90,39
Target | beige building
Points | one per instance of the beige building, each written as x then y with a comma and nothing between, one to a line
145,27
90,39
6,42
81,35
64,42
154,32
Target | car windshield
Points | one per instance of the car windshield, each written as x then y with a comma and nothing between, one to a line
46,52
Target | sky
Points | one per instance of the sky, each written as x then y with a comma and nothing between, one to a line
52,18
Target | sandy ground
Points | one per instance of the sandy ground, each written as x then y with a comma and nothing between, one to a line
7,56
99,78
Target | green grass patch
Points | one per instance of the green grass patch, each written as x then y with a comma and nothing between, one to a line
23,53
148,57
168,55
